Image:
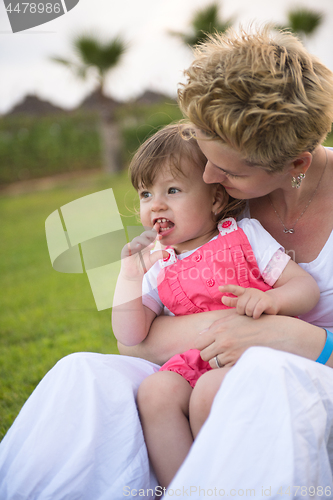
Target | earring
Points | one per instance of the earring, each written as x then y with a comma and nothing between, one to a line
296,181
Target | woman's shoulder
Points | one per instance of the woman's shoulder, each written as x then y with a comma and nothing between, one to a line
247,223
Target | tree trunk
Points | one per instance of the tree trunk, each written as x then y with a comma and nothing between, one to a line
110,143
109,134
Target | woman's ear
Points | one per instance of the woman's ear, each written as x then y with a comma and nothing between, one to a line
221,199
301,164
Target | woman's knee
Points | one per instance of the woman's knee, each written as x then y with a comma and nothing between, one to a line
265,358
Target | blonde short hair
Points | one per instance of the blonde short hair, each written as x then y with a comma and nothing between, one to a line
260,93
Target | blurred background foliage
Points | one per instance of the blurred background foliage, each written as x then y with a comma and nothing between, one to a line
39,146
32,147
204,22
103,133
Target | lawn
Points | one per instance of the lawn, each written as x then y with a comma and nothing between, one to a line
46,315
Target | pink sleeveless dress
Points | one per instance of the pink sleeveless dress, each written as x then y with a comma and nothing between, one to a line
190,285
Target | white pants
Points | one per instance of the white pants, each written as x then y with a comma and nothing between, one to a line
78,437
269,434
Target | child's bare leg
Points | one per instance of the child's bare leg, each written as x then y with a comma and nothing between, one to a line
203,396
163,401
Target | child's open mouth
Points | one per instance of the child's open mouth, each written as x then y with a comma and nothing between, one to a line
164,224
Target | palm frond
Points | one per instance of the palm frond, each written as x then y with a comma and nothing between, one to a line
60,60
90,52
205,21
304,20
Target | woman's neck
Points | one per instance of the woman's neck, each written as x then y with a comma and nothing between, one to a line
291,203
294,217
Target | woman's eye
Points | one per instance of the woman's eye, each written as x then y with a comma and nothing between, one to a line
173,190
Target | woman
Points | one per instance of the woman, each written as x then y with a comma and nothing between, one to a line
261,107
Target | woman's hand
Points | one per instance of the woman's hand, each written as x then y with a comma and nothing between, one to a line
170,335
230,336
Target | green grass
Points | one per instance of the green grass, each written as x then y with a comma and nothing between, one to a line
45,315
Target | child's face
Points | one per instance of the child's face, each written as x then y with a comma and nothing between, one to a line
183,205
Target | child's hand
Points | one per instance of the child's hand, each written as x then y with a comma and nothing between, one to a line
136,258
248,301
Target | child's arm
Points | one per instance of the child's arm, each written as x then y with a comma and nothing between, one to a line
294,293
131,320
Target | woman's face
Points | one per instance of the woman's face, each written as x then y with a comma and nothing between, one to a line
240,178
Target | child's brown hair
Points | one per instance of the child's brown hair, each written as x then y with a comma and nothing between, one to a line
170,145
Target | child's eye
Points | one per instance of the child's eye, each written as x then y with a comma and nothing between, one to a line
145,194
173,190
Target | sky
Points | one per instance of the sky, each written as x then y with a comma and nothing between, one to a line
154,60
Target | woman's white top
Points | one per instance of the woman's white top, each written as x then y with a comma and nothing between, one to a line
321,269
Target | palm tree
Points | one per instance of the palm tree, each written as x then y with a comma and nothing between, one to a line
90,53
204,22
303,22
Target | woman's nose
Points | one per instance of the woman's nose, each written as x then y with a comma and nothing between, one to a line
212,175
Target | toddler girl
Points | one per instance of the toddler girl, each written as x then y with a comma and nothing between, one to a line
206,261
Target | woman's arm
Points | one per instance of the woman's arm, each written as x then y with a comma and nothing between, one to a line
171,335
230,336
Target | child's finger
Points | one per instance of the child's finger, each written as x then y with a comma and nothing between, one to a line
229,301
159,254
258,310
234,289
264,305
250,306
141,242
156,227
142,263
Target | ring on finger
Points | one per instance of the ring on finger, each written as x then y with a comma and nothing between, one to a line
218,364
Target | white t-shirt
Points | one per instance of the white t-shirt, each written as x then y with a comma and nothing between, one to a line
321,269
264,247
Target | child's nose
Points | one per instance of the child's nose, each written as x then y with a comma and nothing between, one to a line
158,204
